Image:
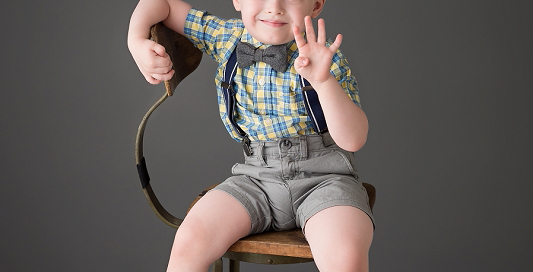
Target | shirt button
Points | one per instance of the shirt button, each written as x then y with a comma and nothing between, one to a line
261,81
268,122
280,94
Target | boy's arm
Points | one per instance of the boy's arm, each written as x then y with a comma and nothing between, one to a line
347,123
151,58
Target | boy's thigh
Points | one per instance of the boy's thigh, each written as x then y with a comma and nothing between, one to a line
339,230
217,217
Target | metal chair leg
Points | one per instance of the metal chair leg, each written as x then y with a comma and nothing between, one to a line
218,266
234,265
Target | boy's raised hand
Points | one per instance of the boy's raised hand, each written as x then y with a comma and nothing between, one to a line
152,60
314,60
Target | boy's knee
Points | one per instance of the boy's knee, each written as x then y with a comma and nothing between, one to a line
190,251
343,260
191,238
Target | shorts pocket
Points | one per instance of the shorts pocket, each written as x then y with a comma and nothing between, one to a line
349,160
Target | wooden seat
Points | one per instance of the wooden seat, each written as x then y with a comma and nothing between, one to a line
283,247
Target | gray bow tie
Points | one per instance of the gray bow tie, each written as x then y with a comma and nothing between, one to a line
275,56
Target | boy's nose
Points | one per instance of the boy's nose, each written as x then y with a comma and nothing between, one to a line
274,6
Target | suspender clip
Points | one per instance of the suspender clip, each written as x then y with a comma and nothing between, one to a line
246,146
225,85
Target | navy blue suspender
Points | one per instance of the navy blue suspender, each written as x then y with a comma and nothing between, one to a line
312,104
230,101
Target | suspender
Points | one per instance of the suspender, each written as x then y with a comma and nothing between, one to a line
230,101
312,104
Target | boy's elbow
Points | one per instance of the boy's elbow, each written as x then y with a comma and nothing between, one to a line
352,145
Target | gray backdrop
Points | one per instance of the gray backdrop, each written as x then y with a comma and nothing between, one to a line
444,83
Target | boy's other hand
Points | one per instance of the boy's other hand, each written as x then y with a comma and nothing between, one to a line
314,60
152,60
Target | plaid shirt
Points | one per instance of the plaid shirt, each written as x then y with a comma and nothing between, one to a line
269,104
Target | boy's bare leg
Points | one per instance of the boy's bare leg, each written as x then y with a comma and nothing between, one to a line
215,222
340,239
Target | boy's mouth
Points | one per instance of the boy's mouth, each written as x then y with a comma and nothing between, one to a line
273,23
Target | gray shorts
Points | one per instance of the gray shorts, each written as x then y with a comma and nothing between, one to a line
285,182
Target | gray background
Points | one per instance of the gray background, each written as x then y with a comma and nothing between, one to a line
446,86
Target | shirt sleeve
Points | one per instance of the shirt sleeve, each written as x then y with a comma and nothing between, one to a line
210,33
343,74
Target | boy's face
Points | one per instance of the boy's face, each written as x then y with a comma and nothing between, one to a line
271,21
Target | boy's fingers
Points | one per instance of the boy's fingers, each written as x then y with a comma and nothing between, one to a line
301,62
160,63
151,80
298,37
321,32
304,62
156,78
309,30
163,76
169,75
159,50
163,65
337,43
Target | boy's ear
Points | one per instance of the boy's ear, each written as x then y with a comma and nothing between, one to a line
237,5
317,8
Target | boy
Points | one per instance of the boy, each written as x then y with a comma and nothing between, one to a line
292,176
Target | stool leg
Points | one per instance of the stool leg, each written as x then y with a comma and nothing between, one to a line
218,266
234,266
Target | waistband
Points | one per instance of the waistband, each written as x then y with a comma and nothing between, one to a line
301,144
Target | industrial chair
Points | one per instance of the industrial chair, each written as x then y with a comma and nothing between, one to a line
282,247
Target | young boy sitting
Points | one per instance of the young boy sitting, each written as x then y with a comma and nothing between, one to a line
294,175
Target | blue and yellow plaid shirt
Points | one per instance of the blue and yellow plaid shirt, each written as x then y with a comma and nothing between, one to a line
269,104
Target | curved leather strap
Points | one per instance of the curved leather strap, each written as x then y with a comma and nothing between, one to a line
188,60
157,208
